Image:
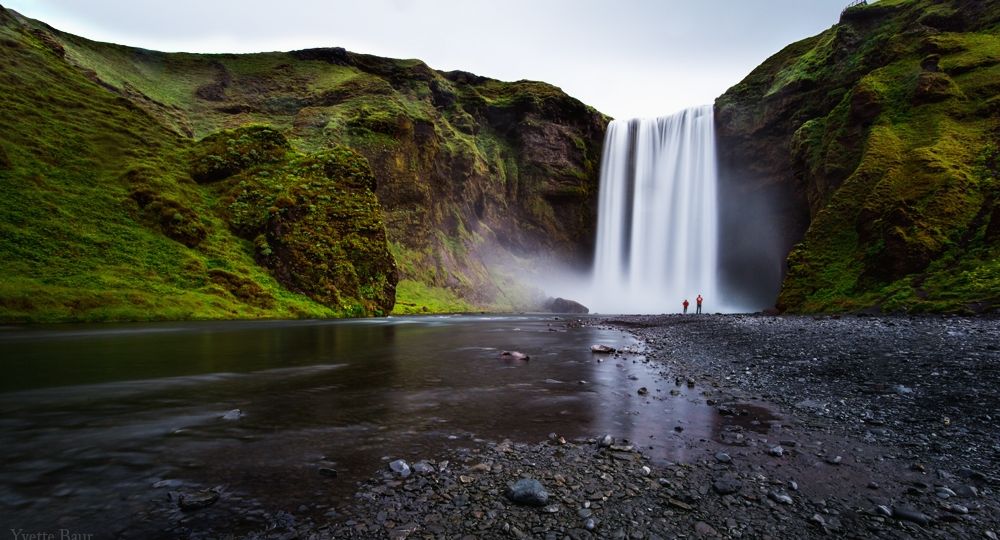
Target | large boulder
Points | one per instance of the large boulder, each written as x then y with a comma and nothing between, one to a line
562,305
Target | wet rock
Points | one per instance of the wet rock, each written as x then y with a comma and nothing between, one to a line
727,485
705,530
642,391
723,457
590,524
944,493
601,349
423,467
776,451
679,504
967,492
400,467
905,513
197,500
528,491
957,508
234,414
834,460
780,497
606,441
514,355
327,471
168,484
563,305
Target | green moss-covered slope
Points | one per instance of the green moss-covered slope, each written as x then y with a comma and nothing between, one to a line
884,133
141,185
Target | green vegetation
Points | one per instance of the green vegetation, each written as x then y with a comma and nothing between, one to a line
138,185
414,297
896,149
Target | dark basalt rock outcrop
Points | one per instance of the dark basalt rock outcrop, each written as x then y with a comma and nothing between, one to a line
562,305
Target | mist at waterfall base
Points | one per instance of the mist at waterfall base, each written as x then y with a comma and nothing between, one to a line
659,231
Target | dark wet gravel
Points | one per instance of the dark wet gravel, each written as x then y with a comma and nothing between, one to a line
828,428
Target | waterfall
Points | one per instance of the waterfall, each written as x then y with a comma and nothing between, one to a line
657,228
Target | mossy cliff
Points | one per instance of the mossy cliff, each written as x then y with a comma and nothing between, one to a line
879,141
143,185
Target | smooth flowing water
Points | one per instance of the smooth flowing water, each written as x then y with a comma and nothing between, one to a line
99,423
657,223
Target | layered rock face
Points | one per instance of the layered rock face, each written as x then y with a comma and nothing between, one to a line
239,176
871,151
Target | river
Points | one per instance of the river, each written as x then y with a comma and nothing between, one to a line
98,423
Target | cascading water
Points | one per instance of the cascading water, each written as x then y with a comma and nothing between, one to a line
657,229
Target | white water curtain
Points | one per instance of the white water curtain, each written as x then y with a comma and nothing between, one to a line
657,229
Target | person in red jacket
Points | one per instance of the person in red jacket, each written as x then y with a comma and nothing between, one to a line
686,304
698,303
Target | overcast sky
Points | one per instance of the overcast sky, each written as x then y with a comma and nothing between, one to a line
624,57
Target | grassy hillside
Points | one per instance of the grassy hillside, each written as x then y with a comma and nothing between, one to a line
141,185
886,127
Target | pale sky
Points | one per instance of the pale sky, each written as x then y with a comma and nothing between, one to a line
624,57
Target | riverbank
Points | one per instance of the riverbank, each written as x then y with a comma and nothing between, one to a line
827,427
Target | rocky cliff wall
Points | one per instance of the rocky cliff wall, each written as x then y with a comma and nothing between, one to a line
871,150
469,176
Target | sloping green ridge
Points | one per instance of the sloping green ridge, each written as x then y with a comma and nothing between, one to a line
104,217
892,121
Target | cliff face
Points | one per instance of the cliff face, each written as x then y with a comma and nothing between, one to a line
873,148
138,184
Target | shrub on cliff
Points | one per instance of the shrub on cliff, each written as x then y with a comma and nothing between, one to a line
315,222
228,152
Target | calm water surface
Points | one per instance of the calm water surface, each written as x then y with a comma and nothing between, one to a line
91,417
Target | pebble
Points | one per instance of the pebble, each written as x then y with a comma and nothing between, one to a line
968,492
234,414
723,457
704,529
835,460
780,497
944,493
528,491
400,467
905,513
776,451
957,508
197,500
606,441
423,467
727,486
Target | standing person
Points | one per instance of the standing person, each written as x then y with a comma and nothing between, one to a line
686,304
698,303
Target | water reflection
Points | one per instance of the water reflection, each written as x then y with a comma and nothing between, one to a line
92,417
